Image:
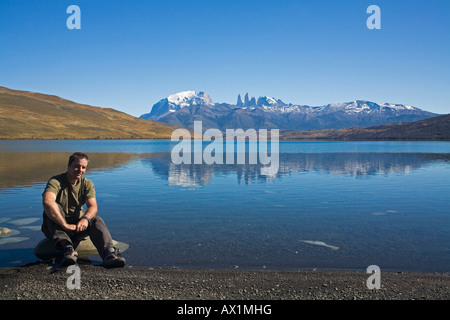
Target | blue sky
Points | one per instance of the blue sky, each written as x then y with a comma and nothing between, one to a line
130,54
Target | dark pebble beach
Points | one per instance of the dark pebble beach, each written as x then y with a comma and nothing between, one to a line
43,281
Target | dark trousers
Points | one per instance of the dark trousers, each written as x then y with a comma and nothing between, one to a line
97,231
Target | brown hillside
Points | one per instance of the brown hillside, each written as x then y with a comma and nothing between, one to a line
29,115
436,128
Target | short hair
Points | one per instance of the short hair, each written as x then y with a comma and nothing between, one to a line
77,155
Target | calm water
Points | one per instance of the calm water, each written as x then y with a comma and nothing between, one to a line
332,205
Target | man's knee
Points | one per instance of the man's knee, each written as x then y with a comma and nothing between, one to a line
98,223
97,220
60,239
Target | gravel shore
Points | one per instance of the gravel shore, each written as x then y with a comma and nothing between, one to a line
42,281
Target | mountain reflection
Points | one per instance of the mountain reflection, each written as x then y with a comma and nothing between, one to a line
357,165
25,169
19,170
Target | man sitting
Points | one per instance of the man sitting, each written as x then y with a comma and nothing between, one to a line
65,221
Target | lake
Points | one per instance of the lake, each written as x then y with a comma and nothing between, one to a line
330,205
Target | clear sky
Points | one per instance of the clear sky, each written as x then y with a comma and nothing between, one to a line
130,54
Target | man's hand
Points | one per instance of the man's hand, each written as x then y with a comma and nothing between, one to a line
70,228
82,225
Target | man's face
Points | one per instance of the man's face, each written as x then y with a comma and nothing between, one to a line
77,168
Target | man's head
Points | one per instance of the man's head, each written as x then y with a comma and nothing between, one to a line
77,165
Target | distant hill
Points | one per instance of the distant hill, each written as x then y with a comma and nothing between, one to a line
436,128
29,115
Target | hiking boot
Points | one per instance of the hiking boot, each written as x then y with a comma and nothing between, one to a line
70,256
113,259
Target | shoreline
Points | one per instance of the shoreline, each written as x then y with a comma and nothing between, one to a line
43,281
281,139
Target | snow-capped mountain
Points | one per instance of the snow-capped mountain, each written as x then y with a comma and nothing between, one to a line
177,101
271,113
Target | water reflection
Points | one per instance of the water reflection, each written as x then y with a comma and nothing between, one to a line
19,170
24,169
357,165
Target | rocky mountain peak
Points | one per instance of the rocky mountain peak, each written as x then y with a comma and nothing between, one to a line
177,101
